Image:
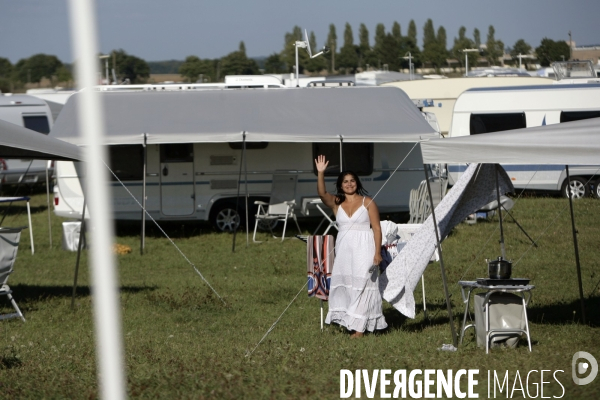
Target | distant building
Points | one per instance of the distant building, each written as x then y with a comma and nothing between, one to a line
586,53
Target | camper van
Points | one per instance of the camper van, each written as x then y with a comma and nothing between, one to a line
483,110
441,94
32,113
195,164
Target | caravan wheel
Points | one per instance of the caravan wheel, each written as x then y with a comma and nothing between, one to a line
225,218
578,187
596,191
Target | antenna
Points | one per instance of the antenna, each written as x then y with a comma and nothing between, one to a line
307,44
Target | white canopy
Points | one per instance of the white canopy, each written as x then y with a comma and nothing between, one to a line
575,142
356,114
19,142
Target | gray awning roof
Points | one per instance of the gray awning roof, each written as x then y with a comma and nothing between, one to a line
575,142
373,114
19,142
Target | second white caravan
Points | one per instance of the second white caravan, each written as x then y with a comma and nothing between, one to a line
483,110
195,140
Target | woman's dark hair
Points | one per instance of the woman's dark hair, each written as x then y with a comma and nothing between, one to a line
340,196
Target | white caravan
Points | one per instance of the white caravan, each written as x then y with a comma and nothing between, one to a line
483,110
32,113
440,95
195,169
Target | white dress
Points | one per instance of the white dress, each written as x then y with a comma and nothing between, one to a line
354,297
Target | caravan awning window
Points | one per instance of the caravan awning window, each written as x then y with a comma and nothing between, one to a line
358,157
38,123
486,123
127,162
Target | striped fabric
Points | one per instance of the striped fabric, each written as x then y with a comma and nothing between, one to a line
320,254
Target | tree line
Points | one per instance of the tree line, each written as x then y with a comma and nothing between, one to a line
128,68
391,49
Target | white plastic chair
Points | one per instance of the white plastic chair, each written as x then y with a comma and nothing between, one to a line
9,244
280,206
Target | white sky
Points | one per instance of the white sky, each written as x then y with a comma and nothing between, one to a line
161,30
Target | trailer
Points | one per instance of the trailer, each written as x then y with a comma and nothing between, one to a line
206,150
31,113
483,110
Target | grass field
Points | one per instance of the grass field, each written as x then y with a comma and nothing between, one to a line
182,342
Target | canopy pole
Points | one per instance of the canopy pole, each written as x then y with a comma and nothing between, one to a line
575,245
247,193
439,249
79,245
143,236
341,154
48,202
502,248
237,198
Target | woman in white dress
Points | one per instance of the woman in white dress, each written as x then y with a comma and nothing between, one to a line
354,298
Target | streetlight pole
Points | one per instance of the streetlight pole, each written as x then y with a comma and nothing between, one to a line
105,58
410,64
467,59
570,47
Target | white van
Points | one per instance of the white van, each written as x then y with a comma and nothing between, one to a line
191,178
483,110
32,113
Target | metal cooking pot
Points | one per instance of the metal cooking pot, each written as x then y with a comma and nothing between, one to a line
500,268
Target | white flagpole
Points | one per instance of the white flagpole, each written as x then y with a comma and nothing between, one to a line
107,316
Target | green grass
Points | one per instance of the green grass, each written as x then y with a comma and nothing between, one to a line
182,342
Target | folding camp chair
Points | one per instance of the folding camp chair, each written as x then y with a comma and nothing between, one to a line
9,244
280,206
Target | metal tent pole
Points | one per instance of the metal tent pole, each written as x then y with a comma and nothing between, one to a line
247,194
341,154
502,248
439,249
237,198
48,202
143,239
575,245
79,245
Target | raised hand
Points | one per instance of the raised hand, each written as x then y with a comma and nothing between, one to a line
321,163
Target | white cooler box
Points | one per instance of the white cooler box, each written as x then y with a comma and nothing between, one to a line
70,235
506,312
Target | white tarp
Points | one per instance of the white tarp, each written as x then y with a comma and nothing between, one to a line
475,188
575,142
356,114
23,143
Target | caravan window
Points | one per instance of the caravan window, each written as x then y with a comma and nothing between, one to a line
567,116
38,123
127,162
249,145
177,152
358,157
486,123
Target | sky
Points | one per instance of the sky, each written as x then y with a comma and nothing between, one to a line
157,30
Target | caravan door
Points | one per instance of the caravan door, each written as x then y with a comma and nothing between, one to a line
177,197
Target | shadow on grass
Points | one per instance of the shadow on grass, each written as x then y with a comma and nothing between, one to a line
19,208
187,229
566,313
33,293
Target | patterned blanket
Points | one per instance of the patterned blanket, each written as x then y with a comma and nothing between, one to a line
475,188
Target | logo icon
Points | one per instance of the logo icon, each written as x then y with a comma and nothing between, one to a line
580,368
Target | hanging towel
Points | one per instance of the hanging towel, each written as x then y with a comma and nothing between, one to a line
320,254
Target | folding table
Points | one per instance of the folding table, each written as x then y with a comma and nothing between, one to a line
470,286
